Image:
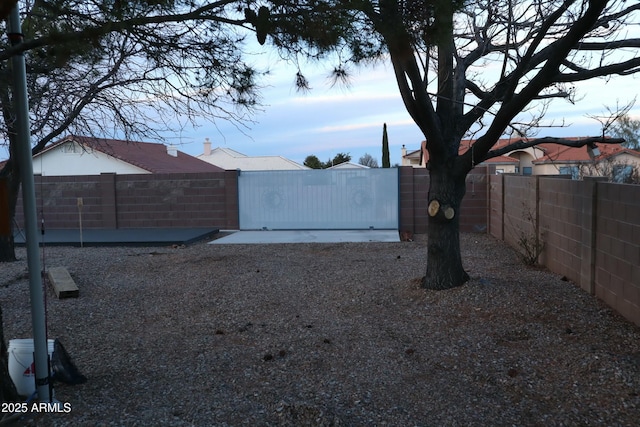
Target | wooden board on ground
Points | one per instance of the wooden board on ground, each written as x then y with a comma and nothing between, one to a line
63,284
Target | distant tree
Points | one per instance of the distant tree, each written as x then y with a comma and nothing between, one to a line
368,160
614,170
337,159
385,148
629,129
313,162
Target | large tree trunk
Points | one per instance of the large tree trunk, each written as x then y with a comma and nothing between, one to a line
7,249
444,262
9,189
8,392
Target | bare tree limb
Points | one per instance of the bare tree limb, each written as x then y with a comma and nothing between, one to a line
527,143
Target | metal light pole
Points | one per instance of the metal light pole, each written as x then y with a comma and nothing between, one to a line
25,164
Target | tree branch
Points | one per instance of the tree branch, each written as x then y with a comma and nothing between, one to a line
110,26
527,143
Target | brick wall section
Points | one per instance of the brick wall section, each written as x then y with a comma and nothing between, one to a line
564,206
414,188
57,199
519,204
591,232
139,201
414,191
617,257
496,206
474,209
407,184
109,202
232,211
174,200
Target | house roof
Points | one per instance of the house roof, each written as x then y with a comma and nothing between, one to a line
349,165
554,153
502,160
229,159
415,154
547,152
149,156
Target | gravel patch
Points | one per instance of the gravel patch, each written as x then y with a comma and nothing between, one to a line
336,334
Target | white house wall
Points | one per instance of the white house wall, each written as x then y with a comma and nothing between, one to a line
56,162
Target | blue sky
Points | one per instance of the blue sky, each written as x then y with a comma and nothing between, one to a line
324,121
328,120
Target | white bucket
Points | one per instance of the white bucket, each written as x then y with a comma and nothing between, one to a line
21,366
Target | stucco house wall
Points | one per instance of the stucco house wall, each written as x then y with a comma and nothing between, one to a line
72,159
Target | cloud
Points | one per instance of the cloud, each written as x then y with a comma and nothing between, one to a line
377,124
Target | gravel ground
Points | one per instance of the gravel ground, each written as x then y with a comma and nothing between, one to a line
327,334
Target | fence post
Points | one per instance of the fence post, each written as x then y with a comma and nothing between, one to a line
589,230
108,200
537,218
503,187
407,196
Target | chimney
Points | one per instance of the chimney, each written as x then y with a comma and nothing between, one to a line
172,150
403,151
207,147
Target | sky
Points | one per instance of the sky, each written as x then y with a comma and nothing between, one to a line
323,121
329,120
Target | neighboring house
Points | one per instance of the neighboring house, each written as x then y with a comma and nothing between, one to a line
229,159
349,165
411,158
419,158
614,161
79,155
610,160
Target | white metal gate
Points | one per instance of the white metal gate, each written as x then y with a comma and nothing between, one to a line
330,199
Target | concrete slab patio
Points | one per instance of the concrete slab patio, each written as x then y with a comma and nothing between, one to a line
307,236
122,236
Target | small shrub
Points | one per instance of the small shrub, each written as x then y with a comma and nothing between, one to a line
531,244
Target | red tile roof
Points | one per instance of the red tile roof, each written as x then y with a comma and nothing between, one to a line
550,152
149,156
502,159
560,153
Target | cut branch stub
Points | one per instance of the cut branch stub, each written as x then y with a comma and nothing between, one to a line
447,211
434,207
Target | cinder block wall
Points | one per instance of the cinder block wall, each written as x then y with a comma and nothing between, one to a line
138,201
177,200
59,207
414,191
617,251
210,200
496,206
519,203
591,232
565,211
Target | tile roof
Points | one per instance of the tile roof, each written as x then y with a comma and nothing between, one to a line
149,156
560,153
549,152
502,160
